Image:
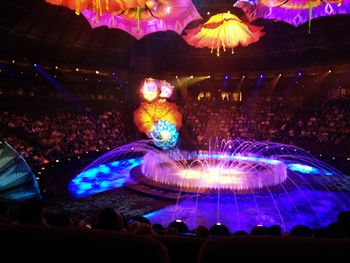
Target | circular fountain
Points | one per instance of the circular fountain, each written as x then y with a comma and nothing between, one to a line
207,173
238,183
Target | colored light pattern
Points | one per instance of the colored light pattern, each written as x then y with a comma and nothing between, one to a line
215,171
238,157
138,18
223,31
166,89
294,12
148,114
299,205
152,89
307,169
164,135
102,177
312,194
149,89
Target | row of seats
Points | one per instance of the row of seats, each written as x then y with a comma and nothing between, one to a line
43,244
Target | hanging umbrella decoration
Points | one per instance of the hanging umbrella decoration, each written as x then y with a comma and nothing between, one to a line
294,12
137,17
224,31
157,117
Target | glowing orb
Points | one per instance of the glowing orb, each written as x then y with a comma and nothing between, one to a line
164,135
166,89
150,89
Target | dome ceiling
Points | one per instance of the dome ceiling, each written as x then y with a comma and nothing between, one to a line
36,30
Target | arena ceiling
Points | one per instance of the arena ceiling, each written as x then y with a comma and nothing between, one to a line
33,30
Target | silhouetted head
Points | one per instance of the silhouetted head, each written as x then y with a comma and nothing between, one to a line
259,230
31,211
180,226
274,230
219,230
159,229
320,232
201,231
344,222
141,219
59,219
301,231
334,230
108,219
241,233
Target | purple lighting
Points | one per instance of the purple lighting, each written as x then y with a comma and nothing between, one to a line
241,184
294,12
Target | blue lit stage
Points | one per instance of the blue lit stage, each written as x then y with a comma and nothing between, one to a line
312,193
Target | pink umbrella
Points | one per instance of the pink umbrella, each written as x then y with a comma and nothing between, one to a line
137,17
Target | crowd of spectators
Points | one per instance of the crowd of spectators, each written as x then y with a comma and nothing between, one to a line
31,212
308,125
42,138
46,137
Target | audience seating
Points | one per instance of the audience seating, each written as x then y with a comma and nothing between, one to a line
273,249
36,243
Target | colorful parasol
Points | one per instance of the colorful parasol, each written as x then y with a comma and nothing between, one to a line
223,31
148,114
137,17
294,12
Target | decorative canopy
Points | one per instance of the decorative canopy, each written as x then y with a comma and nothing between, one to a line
137,17
294,12
223,31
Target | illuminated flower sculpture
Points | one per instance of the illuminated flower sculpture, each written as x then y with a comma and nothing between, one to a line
137,17
164,134
223,31
294,12
148,114
150,89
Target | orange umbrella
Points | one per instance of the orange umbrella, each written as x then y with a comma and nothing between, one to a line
148,114
223,31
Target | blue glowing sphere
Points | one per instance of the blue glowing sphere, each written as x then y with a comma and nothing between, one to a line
164,134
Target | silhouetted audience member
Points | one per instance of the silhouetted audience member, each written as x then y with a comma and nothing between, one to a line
343,219
31,213
320,232
180,226
144,229
274,230
158,228
108,219
202,232
141,219
241,233
219,230
171,231
259,230
334,230
5,217
301,231
60,219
